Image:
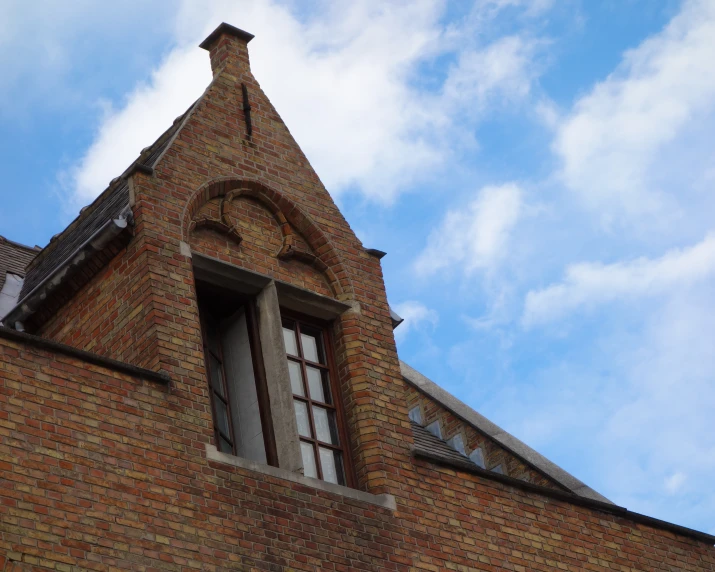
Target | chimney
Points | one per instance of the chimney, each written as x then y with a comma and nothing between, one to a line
227,43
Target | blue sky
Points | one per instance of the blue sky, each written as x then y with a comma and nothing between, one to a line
539,172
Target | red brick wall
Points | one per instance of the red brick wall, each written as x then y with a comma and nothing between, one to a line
485,525
262,240
104,472
111,315
101,471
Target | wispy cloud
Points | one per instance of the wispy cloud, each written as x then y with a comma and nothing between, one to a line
474,236
416,316
148,111
588,284
631,409
498,74
347,70
41,59
613,145
674,482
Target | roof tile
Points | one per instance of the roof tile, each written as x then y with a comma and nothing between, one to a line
14,258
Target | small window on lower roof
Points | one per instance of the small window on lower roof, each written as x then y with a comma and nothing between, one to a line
435,428
477,457
416,415
499,469
457,442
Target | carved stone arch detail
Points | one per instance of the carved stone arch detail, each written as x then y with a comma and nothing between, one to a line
287,214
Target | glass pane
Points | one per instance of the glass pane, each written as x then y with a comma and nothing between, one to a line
309,468
325,426
216,376
316,385
296,378
310,347
332,464
301,416
225,446
290,343
222,417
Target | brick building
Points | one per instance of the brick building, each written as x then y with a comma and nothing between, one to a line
200,373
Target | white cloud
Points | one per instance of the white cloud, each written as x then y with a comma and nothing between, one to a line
45,49
416,316
500,73
588,284
616,146
342,80
629,411
475,236
674,482
149,110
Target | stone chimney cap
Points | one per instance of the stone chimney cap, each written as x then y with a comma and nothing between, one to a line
225,28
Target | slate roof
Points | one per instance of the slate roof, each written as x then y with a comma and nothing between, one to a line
109,205
14,258
432,446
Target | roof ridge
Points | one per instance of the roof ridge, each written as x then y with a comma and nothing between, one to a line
87,210
4,239
83,214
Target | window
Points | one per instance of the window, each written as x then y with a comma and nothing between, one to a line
435,428
499,469
315,400
416,414
289,417
457,442
239,402
477,458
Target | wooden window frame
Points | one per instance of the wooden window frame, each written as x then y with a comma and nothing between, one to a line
208,352
325,329
259,372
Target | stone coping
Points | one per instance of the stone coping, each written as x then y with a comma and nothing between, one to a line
384,501
88,357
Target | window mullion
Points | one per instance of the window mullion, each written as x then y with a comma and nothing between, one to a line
280,394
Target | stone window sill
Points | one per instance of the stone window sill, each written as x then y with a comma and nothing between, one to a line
384,501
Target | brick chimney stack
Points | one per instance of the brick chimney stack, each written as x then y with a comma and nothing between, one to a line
227,44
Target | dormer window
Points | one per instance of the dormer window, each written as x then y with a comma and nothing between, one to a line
271,375
435,428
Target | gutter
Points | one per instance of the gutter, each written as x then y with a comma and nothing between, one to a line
32,301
